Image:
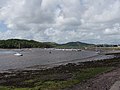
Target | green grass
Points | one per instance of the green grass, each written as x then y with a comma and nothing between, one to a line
49,84
29,81
22,89
90,72
54,85
13,88
77,77
3,88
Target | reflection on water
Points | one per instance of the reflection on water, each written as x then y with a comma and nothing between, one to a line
6,52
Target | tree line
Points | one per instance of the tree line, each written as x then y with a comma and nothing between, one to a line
21,43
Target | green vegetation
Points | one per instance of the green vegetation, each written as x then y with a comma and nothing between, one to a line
54,83
21,43
13,88
74,45
106,45
15,43
3,88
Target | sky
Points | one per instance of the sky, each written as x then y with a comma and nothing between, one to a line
61,21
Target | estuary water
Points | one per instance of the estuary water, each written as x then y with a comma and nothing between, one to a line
32,57
3,52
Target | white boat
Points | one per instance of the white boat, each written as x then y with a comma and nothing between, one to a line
18,54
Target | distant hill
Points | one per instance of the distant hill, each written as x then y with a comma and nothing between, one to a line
22,43
53,44
74,45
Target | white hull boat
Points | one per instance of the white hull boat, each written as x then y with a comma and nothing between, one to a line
18,54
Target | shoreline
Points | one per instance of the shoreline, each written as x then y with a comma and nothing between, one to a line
35,58
52,65
47,66
25,78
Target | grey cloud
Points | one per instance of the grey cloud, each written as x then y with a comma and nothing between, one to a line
50,20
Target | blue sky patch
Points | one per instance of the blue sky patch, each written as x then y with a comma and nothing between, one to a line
3,27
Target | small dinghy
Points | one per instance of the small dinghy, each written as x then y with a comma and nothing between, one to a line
18,54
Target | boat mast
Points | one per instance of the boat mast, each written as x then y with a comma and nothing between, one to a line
19,46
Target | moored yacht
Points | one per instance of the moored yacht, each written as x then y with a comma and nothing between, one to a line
18,54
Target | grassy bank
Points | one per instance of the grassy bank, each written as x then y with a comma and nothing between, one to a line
56,80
